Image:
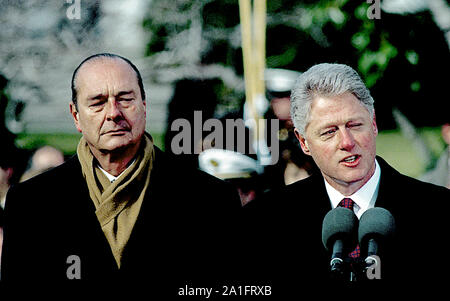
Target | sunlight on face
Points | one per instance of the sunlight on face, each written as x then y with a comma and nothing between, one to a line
111,113
340,137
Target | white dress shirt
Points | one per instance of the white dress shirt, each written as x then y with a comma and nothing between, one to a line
112,178
364,198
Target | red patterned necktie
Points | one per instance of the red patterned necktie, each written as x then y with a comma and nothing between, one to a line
349,203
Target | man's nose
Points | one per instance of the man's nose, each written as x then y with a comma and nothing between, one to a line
347,140
113,110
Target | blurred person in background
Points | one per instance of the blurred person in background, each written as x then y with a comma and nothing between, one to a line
241,170
12,164
4,186
119,210
244,170
43,159
191,95
6,173
232,162
293,164
440,174
1,237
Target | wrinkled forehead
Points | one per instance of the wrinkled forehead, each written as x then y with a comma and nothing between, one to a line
338,109
103,74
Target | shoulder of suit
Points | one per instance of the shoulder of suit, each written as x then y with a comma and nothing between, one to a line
32,193
177,170
424,187
305,187
410,186
177,178
282,196
62,173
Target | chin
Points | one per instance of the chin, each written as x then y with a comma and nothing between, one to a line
117,143
356,177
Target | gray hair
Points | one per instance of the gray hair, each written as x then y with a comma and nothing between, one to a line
325,80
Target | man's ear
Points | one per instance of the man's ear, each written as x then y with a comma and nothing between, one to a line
374,124
303,142
145,108
74,113
445,131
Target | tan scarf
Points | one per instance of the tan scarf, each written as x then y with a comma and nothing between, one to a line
118,204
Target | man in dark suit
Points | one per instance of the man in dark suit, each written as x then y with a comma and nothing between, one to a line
118,210
335,123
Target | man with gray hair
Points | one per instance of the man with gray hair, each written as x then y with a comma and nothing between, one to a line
334,118
334,121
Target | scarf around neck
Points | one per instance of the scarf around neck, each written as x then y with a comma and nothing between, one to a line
118,204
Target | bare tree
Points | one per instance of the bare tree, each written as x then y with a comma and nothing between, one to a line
41,43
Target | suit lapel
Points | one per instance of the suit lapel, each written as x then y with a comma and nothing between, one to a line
317,195
94,246
145,229
387,192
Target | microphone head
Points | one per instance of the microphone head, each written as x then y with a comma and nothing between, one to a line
376,223
339,223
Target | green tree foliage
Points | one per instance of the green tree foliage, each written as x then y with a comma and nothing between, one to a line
396,55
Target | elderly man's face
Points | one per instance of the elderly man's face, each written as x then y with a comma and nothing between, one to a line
111,113
341,139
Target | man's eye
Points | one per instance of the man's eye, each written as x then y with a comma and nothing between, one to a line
125,99
329,132
97,104
355,125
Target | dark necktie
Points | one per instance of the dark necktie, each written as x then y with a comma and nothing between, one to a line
349,203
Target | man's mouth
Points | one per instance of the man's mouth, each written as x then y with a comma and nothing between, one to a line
118,131
351,160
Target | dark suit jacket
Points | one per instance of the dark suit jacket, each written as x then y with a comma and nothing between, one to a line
186,230
286,231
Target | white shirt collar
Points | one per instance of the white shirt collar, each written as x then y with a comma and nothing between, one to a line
364,198
110,177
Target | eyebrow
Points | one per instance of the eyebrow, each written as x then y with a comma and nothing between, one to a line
330,124
100,96
122,93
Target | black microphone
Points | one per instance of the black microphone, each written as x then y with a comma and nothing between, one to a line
339,233
376,228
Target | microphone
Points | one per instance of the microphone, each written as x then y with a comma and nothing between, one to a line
376,228
339,232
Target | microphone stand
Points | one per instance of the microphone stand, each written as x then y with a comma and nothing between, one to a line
358,268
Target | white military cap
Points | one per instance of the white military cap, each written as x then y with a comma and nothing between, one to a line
226,164
280,80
